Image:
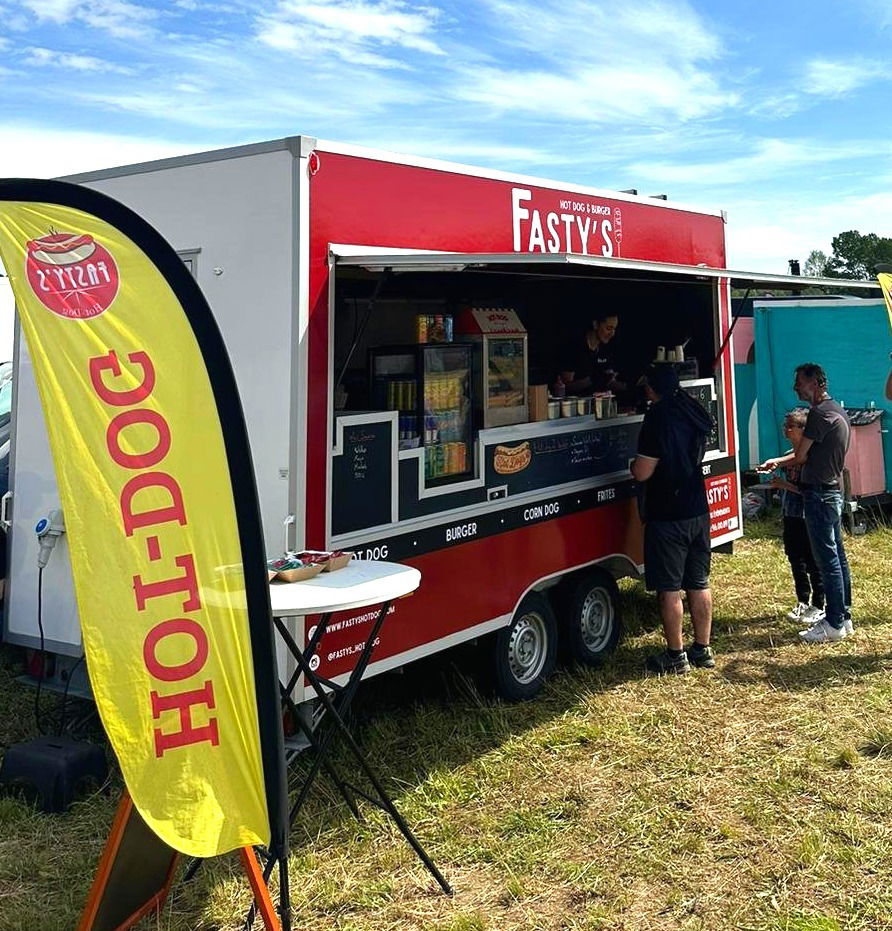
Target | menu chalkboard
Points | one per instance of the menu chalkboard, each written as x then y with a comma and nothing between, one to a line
362,476
704,393
557,458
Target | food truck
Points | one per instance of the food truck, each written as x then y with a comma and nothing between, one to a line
393,325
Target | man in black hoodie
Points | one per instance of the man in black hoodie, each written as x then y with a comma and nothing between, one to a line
677,547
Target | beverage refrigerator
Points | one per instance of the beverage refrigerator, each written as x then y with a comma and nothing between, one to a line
432,388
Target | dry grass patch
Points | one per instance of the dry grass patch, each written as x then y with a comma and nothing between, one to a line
757,796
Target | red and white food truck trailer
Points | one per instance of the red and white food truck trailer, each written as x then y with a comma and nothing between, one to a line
331,270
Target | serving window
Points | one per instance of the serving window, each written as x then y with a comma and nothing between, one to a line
380,306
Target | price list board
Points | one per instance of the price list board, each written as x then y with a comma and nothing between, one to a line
561,457
362,476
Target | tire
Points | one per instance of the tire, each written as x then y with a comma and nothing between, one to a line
524,653
590,622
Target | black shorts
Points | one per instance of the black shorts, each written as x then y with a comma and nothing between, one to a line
677,554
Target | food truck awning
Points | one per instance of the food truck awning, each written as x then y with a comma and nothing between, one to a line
573,265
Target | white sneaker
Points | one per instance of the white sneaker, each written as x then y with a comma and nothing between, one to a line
811,615
798,613
848,626
822,632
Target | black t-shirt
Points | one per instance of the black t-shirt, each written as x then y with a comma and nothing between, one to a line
674,431
591,363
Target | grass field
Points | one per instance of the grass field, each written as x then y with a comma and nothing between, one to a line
757,796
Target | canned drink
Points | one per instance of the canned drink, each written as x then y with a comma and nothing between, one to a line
421,327
447,328
413,395
391,395
461,464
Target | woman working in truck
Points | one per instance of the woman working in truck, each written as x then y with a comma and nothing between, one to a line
590,366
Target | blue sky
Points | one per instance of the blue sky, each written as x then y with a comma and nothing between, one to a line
779,113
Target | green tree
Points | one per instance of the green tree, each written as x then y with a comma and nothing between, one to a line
815,264
857,256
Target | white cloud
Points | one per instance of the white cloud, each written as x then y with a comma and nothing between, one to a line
119,18
599,62
350,28
769,158
456,145
33,152
600,95
44,56
582,30
826,78
55,10
762,235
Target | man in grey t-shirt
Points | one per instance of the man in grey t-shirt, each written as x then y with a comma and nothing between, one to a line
829,430
822,454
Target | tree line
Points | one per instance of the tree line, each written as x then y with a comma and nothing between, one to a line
854,256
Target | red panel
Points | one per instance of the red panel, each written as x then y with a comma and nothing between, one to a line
487,578
357,200
367,202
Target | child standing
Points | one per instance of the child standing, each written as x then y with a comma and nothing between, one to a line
806,576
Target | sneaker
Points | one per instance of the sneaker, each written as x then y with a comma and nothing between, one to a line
701,657
811,615
822,632
848,626
665,664
798,613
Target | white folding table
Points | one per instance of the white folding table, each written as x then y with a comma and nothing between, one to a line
358,585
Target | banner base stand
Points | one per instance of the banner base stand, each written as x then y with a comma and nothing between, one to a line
262,900
135,873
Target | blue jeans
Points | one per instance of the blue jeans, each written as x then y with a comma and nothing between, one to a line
823,517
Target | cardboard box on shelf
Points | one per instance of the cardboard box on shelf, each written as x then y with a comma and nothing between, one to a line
538,403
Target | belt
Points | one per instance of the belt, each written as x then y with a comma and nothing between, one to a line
820,486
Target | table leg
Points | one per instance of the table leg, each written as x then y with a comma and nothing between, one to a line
334,711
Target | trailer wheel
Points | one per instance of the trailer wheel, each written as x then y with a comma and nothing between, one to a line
591,625
525,652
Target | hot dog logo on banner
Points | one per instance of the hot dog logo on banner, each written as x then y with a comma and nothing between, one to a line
72,275
161,514
575,223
